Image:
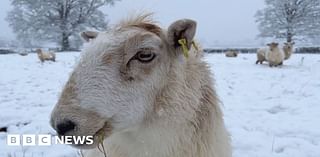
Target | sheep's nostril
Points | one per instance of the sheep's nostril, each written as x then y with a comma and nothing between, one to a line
65,127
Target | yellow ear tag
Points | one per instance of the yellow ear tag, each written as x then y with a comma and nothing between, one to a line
195,45
183,43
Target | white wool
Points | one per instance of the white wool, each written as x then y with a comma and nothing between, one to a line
275,57
164,108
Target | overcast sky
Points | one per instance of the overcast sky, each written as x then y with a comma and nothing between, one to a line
220,22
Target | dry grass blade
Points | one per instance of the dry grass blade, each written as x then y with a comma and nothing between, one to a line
101,136
81,153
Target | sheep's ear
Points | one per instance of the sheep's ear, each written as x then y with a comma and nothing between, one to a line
181,29
293,43
269,44
88,35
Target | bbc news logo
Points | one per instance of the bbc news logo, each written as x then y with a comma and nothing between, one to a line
47,140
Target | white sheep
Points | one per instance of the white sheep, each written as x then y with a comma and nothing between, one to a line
143,91
231,53
261,55
288,49
43,56
23,53
275,55
271,52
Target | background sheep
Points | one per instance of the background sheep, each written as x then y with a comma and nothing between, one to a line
231,53
288,49
43,56
275,56
261,54
23,53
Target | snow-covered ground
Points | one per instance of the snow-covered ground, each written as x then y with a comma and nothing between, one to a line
268,111
28,93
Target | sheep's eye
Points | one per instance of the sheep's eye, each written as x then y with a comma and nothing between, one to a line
145,56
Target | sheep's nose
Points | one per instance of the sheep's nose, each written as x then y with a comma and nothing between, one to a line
64,127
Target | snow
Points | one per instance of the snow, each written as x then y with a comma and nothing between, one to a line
268,111
28,92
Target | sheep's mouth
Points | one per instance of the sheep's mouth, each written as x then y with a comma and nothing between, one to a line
98,137
104,132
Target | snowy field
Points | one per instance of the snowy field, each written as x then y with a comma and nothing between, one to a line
270,112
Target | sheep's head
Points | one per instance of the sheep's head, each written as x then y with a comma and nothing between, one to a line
289,45
39,51
114,87
273,46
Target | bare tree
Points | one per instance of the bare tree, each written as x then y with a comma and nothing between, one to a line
55,20
289,18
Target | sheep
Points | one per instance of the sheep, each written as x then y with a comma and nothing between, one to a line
275,55
231,53
23,53
262,52
288,49
261,55
43,56
143,91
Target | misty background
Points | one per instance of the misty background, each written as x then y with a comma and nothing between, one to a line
220,23
269,111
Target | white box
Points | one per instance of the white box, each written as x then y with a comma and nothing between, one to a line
13,140
44,140
28,140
